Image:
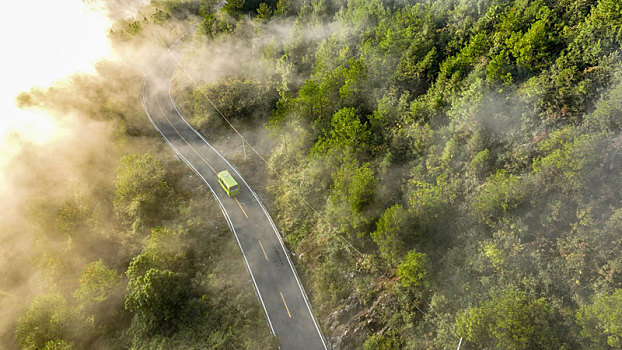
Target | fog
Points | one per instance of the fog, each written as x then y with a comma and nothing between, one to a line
79,93
39,160
71,109
39,50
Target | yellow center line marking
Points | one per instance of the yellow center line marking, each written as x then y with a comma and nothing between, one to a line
183,138
263,250
284,303
240,205
198,154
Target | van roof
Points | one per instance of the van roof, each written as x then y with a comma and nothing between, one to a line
227,179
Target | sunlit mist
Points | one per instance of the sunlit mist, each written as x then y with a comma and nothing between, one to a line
43,41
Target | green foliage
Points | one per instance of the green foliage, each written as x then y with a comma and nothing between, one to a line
354,188
330,280
601,321
158,299
481,138
239,8
391,235
264,12
284,8
509,320
413,270
233,8
166,249
214,22
236,98
311,101
158,289
382,342
479,164
530,49
356,183
347,134
430,204
47,323
566,159
58,345
502,194
500,68
607,116
97,283
416,68
143,193
469,133
173,300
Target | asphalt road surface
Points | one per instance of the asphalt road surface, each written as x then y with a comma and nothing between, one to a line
273,275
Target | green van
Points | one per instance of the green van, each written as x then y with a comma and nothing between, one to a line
228,183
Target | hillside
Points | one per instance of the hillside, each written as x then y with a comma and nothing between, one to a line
443,171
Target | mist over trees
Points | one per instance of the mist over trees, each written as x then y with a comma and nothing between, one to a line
442,170
113,243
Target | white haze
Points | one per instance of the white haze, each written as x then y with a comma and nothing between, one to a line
43,41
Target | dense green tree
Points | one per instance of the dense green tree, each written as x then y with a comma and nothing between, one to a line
413,270
348,134
568,157
236,98
458,128
608,114
510,320
501,195
347,206
97,283
49,321
264,12
431,204
357,183
284,8
233,7
391,233
143,193
416,68
99,298
158,298
601,321
531,49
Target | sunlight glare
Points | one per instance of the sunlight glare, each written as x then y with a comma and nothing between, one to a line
43,41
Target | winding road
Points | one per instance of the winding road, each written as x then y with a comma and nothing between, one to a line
273,275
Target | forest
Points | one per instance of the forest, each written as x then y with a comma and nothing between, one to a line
444,171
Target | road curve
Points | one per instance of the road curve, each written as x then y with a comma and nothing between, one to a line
273,275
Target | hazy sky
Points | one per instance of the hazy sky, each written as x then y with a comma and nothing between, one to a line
43,41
